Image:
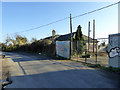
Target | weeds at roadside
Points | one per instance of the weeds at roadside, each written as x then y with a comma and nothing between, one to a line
111,69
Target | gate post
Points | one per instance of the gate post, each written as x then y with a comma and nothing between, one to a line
114,50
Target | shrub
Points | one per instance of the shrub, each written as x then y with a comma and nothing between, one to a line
112,69
97,65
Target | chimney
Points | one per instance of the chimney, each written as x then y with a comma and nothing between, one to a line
53,33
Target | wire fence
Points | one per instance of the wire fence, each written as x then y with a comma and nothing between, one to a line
92,53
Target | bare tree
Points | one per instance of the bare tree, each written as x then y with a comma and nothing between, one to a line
20,40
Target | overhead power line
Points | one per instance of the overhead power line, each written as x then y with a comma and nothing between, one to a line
95,10
43,25
66,18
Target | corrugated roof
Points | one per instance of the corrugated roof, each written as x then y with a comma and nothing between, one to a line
65,37
68,36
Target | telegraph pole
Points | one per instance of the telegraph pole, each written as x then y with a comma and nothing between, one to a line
88,35
71,40
93,35
7,39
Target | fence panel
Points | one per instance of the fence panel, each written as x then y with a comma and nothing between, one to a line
63,49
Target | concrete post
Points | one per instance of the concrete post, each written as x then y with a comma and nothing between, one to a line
114,50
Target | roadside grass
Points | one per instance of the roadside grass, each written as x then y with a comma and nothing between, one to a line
112,69
99,66
109,69
61,58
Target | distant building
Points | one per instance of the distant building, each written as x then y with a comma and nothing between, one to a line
66,37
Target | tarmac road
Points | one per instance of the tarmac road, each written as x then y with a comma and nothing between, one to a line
37,71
